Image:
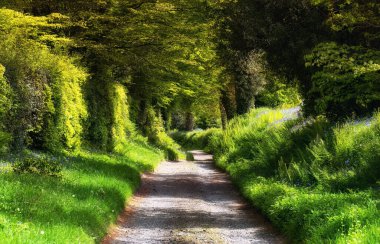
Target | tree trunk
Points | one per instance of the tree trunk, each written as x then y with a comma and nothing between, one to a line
228,101
142,116
167,116
223,116
189,121
244,96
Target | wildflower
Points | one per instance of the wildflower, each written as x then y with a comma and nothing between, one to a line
42,232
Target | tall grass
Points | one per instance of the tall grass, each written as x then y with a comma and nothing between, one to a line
318,182
79,206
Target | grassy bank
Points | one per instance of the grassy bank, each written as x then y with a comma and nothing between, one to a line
316,181
77,207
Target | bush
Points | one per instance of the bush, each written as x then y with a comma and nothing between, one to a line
109,124
5,106
48,108
5,96
155,131
38,165
122,128
345,81
278,94
70,108
5,139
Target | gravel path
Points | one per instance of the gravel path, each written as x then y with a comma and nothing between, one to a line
190,202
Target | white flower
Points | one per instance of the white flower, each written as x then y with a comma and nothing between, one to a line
42,232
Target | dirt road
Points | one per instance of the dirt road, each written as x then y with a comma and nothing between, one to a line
190,202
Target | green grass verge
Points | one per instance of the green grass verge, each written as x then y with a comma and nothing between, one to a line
316,181
78,207
313,215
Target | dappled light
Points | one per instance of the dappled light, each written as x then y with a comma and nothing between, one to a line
194,202
264,114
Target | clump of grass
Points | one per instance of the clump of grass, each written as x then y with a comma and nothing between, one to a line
79,206
313,215
189,156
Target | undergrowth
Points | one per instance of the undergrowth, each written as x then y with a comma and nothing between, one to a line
193,140
76,207
316,181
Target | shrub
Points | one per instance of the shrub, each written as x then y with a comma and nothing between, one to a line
70,108
5,139
5,105
5,96
122,127
345,81
38,165
48,105
278,94
109,124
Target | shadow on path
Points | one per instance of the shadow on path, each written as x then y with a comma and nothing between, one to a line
190,202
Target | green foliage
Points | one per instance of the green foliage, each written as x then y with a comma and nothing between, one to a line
48,107
5,139
5,106
70,107
122,128
156,134
201,60
278,94
37,165
156,52
277,33
345,80
5,96
330,47
81,204
195,139
358,18
303,152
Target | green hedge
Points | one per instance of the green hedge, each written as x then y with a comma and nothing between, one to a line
48,106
